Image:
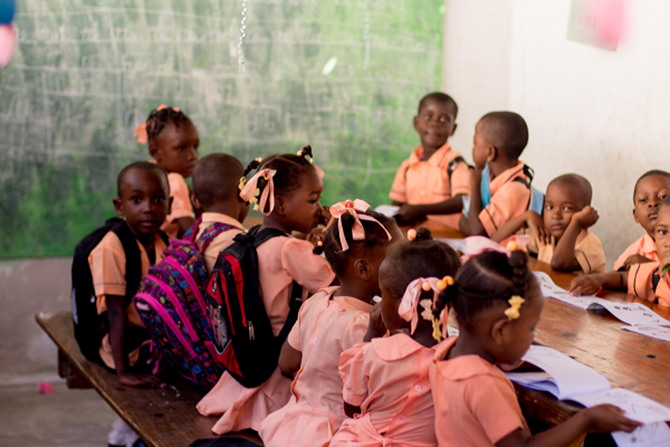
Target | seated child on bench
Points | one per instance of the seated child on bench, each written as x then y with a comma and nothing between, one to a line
143,202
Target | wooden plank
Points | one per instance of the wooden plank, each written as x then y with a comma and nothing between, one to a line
162,417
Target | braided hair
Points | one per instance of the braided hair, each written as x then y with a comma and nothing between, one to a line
290,169
159,119
484,281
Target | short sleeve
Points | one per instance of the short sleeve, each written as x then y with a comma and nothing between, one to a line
494,404
590,254
354,376
355,330
108,268
398,191
459,182
181,200
509,201
309,270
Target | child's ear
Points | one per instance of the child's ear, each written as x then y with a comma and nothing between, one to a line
498,330
153,150
169,206
492,153
453,131
195,202
635,217
415,121
280,205
118,207
362,269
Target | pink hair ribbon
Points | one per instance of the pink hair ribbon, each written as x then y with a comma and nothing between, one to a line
353,207
140,133
250,191
408,308
476,245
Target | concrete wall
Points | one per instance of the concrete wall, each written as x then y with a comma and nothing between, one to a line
598,113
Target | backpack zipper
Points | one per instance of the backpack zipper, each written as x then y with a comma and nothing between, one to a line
252,334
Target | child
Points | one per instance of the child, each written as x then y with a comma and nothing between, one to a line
650,190
173,143
560,237
216,180
500,182
331,321
497,302
648,280
386,380
287,189
143,201
433,180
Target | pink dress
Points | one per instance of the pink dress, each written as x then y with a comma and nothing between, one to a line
326,326
475,404
281,260
388,379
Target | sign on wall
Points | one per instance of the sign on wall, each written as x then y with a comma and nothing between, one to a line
599,23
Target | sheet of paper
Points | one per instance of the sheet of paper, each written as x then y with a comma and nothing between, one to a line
635,314
570,376
550,289
649,435
662,333
635,405
456,244
387,210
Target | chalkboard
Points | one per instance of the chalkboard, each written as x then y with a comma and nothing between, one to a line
342,75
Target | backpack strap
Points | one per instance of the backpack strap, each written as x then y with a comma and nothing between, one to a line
451,167
133,259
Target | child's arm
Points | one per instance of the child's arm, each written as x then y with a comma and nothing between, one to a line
289,360
376,326
411,213
598,419
564,254
471,225
590,284
118,322
528,219
351,410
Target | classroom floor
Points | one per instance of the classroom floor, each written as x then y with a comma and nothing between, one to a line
73,418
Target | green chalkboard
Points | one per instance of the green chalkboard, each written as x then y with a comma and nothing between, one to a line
342,75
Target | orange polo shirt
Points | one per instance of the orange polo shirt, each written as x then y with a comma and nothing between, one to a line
644,246
508,199
420,182
640,283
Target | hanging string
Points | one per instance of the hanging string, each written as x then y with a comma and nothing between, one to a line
243,34
366,34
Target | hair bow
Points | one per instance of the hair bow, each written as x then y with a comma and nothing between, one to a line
250,192
140,133
408,308
512,312
352,207
476,245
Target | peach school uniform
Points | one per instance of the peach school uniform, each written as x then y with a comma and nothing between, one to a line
645,246
646,282
509,198
281,260
108,270
475,404
326,326
388,379
589,252
181,204
222,240
420,182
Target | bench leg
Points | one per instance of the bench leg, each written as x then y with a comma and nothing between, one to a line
73,377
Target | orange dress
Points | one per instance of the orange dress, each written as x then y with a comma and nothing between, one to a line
281,260
108,270
181,204
509,198
644,246
640,283
422,182
326,326
388,379
475,404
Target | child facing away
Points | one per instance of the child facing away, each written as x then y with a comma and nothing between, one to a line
650,190
560,237
143,202
331,321
497,302
500,182
173,143
386,386
216,180
647,280
434,179
287,189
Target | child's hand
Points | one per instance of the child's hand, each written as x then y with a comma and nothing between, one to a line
608,418
376,326
537,229
585,285
316,235
636,259
408,214
139,380
586,217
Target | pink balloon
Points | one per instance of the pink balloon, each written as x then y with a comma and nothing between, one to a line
7,44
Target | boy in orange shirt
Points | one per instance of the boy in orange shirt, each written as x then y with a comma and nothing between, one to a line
500,182
433,180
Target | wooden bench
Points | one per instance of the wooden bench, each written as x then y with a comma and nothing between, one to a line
162,417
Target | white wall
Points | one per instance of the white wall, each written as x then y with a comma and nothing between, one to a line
602,114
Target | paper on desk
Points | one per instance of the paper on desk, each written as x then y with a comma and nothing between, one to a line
662,333
388,210
634,405
456,244
635,314
649,435
563,377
